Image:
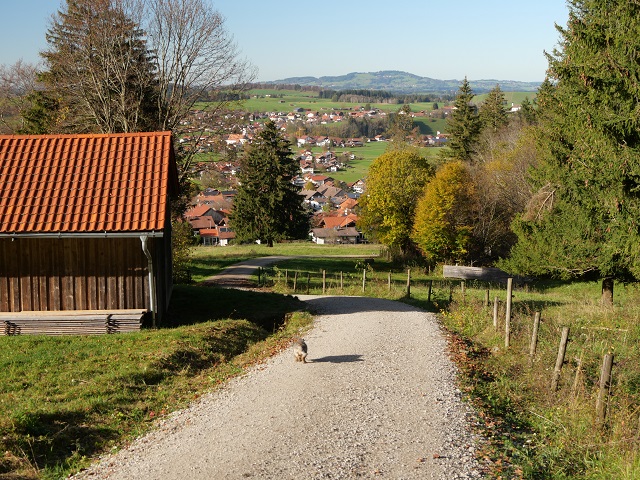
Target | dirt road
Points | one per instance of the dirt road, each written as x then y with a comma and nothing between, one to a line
376,400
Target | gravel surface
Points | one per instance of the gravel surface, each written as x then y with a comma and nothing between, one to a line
377,399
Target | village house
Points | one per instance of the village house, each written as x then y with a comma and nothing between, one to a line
218,236
357,186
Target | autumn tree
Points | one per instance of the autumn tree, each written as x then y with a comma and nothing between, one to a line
401,124
445,213
463,126
268,206
584,218
500,175
394,183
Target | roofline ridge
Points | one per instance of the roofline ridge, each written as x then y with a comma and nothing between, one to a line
159,133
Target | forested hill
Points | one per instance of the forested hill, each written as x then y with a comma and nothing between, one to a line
403,82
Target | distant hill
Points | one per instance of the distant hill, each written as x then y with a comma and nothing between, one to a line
403,82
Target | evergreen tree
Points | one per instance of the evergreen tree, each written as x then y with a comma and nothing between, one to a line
492,113
100,70
268,206
463,125
585,217
41,117
527,111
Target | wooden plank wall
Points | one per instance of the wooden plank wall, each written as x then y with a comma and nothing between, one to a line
72,274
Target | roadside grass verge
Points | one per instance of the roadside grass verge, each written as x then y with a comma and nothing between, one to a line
68,399
532,431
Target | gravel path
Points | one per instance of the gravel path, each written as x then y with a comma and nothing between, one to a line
376,400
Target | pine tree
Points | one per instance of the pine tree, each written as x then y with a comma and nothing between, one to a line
585,217
463,125
268,206
492,113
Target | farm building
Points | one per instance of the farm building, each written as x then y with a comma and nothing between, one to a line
326,236
85,231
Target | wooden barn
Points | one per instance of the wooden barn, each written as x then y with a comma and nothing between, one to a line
85,232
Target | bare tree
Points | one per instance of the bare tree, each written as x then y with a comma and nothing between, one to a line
17,82
500,176
98,62
195,54
196,60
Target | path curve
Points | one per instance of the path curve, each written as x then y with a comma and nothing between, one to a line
376,400
242,274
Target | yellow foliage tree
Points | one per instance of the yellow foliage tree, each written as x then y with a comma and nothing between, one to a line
444,214
394,183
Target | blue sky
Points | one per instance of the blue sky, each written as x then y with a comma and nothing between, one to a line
491,39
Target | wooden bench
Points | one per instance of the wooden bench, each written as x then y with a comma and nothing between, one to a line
71,322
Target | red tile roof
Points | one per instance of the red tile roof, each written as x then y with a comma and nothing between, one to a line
340,221
85,183
197,211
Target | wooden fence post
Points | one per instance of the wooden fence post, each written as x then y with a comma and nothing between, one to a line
603,392
534,335
486,298
430,288
341,282
259,272
389,282
562,350
308,282
496,302
324,282
364,279
295,280
286,279
507,316
463,289
408,282
576,378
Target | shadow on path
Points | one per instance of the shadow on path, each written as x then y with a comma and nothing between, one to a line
337,359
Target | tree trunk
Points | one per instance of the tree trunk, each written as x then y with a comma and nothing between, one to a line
607,292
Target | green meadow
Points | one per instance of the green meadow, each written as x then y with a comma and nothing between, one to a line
364,156
287,100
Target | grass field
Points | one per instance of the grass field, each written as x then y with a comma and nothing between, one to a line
365,155
65,400
534,431
510,97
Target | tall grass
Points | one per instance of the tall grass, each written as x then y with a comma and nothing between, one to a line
534,432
